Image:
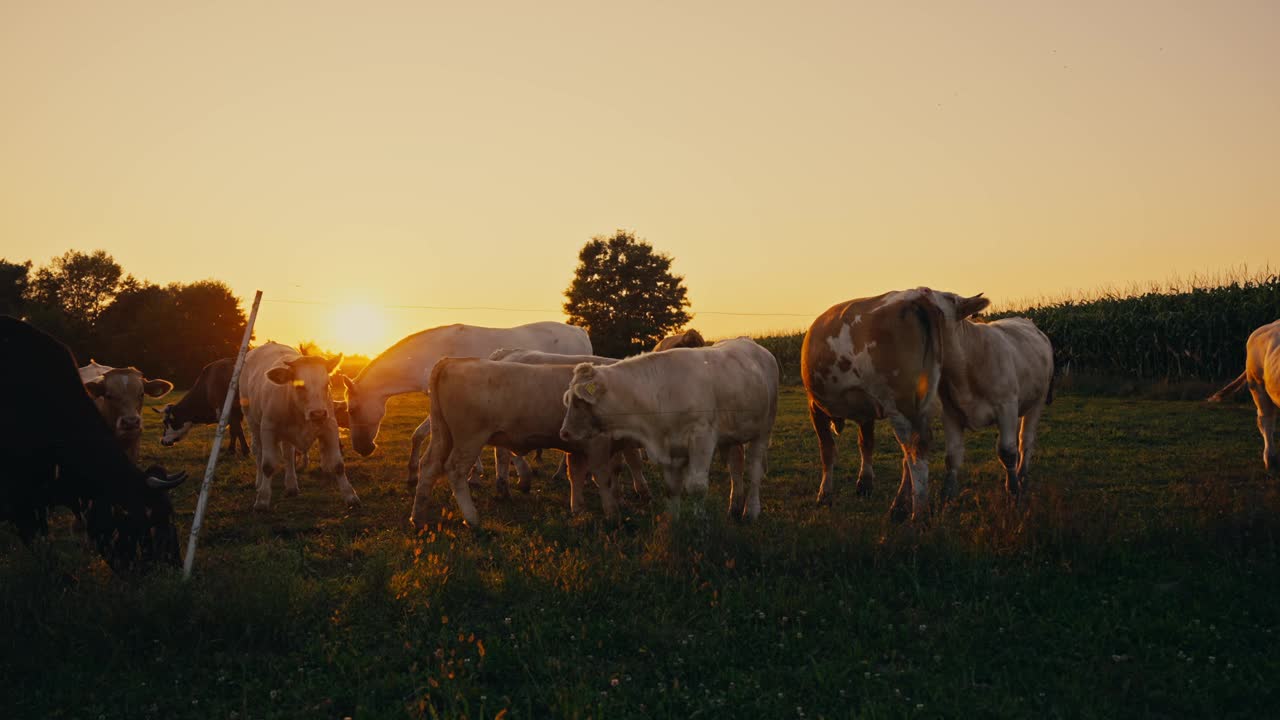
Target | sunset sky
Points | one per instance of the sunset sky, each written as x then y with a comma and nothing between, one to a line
788,155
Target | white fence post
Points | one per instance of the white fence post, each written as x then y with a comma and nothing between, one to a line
233,395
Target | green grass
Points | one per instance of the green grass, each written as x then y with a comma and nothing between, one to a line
1141,579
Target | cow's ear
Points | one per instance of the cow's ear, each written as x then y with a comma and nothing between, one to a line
156,388
96,388
280,374
971,306
332,363
348,383
590,391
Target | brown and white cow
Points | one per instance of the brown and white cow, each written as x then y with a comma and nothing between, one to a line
894,355
477,402
686,339
997,373
680,406
285,396
1262,376
118,394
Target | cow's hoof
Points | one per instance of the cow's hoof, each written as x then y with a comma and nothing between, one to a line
899,512
417,524
525,486
291,492
353,501
863,487
263,506
1271,462
825,499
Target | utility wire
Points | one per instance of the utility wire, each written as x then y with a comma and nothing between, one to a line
533,310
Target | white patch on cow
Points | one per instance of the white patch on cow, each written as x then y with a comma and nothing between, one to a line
857,319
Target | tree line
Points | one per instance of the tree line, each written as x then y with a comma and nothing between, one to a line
87,301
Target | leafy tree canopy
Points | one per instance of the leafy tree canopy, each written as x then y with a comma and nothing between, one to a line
624,295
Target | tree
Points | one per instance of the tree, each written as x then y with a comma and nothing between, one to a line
13,286
624,295
80,284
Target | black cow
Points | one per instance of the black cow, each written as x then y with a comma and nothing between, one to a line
55,449
202,404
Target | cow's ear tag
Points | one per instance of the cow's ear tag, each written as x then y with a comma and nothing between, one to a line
591,388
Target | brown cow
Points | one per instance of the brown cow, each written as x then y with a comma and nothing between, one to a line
686,339
118,394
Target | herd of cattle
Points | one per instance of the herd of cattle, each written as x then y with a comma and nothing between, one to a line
69,436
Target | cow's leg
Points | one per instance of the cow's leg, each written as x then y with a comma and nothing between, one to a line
913,436
757,455
636,466
900,510
827,450
1007,447
331,462
1027,442
459,465
501,466
237,433
290,472
673,472
953,431
525,472
578,468
735,458
267,448
1266,426
600,462
415,450
866,449
475,475
562,471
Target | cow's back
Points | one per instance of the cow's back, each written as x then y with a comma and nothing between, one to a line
516,401
864,357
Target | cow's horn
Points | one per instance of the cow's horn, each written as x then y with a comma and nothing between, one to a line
168,482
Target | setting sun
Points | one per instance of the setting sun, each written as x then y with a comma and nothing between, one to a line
359,328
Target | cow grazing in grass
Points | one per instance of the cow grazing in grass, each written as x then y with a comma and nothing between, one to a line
203,404
1262,376
536,357
680,405
56,449
406,367
285,395
998,373
477,402
118,393
686,339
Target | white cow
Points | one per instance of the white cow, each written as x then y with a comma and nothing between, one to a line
406,367
681,405
997,373
118,394
285,396
1262,376
536,357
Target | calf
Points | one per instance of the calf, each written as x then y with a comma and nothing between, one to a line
286,397
1262,376
56,449
203,404
477,402
118,394
680,405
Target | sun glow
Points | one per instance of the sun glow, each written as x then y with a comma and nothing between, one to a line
359,328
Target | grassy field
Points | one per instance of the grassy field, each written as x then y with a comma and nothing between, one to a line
1140,580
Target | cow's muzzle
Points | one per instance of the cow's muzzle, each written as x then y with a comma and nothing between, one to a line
318,415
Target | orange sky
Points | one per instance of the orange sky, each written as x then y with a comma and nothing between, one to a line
788,155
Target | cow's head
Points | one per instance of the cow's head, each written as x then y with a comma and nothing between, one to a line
176,424
953,307
308,376
364,416
138,529
119,394
582,404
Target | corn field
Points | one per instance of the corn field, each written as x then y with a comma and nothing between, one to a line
1193,331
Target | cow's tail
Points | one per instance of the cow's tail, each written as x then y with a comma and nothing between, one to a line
1053,382
932,322
441,445
1232,388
